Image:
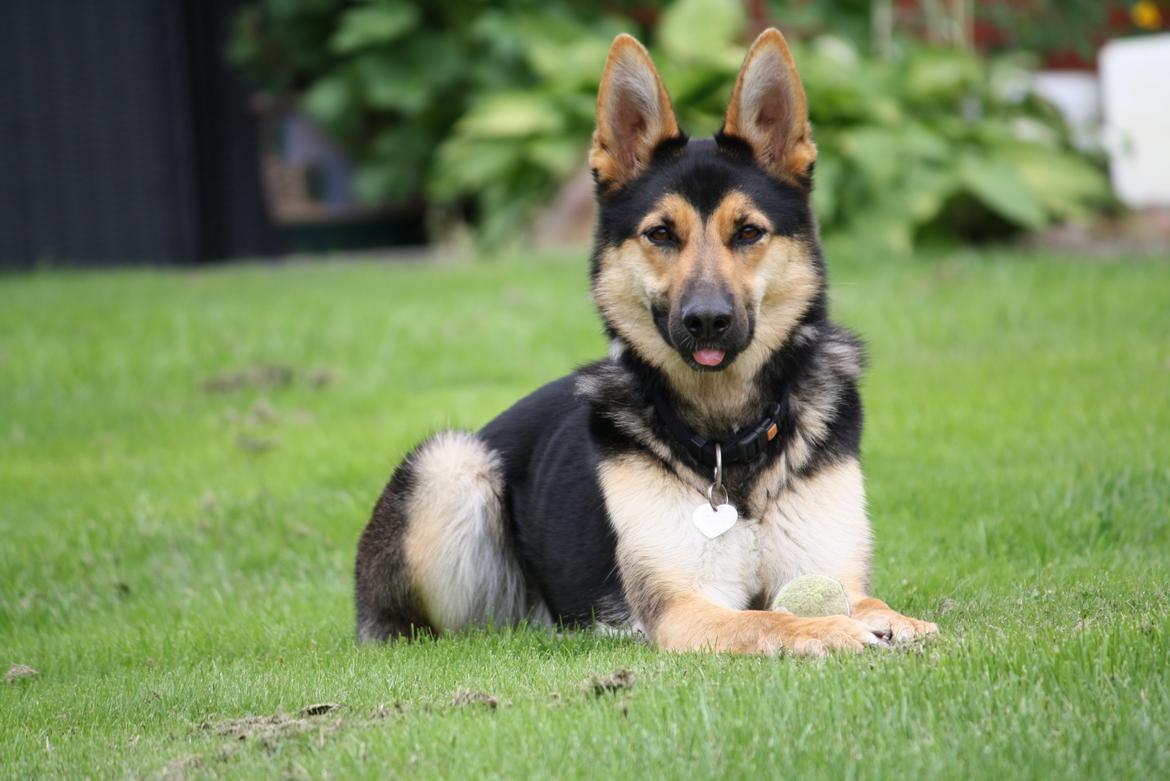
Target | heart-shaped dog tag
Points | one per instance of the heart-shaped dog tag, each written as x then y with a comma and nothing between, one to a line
713,521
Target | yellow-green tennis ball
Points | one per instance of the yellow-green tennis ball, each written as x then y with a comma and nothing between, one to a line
813,595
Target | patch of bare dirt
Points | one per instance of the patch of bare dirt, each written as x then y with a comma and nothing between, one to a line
253,444
179,768
268,376
619,680
268,730
1139,231
273,375
18,671
320,377
468,697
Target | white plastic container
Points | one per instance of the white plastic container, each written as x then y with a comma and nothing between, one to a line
1135,86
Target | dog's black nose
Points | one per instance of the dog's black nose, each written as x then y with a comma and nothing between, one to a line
707,319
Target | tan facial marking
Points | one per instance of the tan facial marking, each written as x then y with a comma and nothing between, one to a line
733,211
775,279
705,249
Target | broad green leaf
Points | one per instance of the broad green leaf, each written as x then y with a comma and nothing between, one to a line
408,96
927,189
569,66
699,29
836,50
411,75
559,155
701,86
920,141
372,25
877,152
884,226
1009,76
466,166
565,53
328,99
397,164
940,76
1067,184
511,115
826,180
999,186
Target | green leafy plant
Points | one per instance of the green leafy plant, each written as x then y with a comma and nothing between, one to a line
386,78
486,109
939,142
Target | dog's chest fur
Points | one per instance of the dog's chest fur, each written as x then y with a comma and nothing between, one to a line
807,525
803,509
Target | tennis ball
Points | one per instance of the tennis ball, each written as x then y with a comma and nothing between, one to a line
813,595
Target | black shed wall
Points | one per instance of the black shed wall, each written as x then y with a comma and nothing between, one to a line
123,135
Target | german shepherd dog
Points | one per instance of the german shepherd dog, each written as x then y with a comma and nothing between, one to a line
673,487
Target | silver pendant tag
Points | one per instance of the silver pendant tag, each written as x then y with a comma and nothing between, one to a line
713,521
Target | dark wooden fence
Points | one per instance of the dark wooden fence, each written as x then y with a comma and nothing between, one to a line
124,138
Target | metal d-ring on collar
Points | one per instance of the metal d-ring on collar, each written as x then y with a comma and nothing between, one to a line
717,484
740,447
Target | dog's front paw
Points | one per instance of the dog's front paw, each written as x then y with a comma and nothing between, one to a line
880,617
819,636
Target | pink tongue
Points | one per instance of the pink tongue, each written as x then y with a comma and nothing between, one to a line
708,357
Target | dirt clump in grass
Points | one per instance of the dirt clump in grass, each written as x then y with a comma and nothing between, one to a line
18,671
268,730
268,376
320,377
259,376
255,444
619,680
178,768
468,697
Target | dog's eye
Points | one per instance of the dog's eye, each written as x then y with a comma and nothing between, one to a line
659,234
748,234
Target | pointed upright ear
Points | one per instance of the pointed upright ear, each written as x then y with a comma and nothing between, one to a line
634,114
768,110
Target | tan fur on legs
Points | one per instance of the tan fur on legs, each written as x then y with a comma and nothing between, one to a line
879,616
694,624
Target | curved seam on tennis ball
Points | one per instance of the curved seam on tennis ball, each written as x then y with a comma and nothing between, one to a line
813,595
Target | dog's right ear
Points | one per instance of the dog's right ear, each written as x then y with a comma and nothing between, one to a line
768,109
634,115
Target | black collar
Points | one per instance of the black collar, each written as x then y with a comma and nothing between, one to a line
741,447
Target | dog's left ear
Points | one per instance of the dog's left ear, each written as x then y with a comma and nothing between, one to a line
768,110
634,115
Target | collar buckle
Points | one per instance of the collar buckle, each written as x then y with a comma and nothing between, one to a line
742,446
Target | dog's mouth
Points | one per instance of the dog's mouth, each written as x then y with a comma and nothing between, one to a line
711,359
707,359
702,356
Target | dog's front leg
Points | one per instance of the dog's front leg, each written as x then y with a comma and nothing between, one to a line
692,623
880,617
827,514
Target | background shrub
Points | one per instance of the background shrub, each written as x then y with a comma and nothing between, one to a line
485,109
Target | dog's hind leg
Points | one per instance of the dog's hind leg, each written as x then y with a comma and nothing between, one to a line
436,554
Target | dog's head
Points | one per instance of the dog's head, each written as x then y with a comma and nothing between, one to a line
705,254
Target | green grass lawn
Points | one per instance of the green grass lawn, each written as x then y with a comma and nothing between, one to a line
188,457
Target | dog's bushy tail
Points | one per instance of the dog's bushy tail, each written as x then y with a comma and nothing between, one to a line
436,555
